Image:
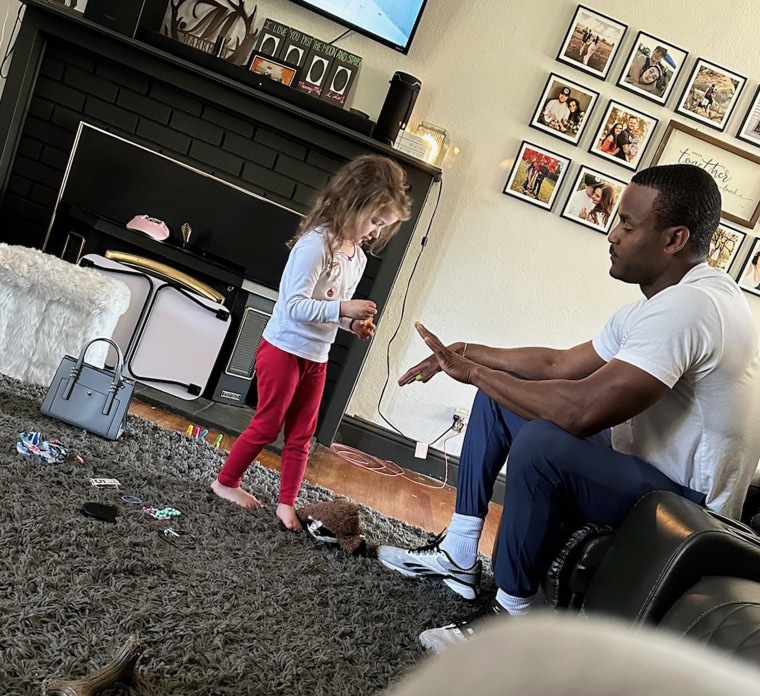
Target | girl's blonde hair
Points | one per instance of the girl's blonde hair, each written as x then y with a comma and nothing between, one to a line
360,189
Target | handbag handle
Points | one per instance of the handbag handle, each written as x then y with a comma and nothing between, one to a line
76,371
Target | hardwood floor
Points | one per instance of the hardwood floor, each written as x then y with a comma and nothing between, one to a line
413,498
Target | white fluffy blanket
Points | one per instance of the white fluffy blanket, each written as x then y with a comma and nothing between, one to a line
50,308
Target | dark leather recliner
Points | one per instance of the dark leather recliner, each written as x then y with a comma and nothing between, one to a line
684,569
576,561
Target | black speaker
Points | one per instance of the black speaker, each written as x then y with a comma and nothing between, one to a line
233,383
126,16
397,107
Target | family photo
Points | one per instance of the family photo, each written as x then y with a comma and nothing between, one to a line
623,135
564,108
594,200
724,246
591,42
711,94
536,175
749,276
651,68
750,128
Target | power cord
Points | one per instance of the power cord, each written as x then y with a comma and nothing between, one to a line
423,244
385,467
338,38
11,39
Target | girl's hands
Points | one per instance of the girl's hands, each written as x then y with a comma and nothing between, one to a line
363,329
358,309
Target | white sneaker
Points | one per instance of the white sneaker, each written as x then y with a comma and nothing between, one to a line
438,639
433,562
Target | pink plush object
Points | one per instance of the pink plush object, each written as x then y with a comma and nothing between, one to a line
150,226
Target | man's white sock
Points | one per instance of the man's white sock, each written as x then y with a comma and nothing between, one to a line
516,606
461,542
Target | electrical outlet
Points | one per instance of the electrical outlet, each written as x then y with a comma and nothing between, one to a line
461,416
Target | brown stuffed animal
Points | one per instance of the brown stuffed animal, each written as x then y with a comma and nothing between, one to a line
335,522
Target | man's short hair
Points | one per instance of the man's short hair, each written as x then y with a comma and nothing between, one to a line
686,195
661,50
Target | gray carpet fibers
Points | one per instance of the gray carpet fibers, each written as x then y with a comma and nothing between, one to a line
250,609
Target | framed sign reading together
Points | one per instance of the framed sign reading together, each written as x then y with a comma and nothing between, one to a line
736,172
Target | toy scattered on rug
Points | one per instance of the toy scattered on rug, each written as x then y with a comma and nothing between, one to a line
335,522
121,669
32,444
100,511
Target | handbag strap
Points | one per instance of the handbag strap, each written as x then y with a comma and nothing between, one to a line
76,371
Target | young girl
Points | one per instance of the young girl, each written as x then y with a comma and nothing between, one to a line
363,203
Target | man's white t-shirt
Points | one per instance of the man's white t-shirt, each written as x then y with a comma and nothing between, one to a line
698,338
578,201
556,112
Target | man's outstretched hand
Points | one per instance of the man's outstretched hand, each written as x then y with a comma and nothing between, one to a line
444,359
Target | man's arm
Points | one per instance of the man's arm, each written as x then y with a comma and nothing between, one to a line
538,363
530,363
610,395
583,401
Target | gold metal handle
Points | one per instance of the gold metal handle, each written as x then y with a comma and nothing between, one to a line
161,269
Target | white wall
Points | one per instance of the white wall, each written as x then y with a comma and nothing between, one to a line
497,270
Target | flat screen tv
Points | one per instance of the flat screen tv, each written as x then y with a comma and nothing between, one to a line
391,22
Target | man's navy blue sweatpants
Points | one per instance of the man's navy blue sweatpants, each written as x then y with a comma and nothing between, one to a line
552,477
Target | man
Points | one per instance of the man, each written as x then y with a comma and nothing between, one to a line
556,111
582,201
708,98
675,376
626,140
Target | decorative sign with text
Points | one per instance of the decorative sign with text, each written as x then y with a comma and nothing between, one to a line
736,172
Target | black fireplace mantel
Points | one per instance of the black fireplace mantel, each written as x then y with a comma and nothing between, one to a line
66,70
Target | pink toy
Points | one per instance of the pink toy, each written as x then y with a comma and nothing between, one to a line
150,226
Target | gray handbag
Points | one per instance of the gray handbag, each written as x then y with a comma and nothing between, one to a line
95,399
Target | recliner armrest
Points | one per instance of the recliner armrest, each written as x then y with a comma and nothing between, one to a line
666,544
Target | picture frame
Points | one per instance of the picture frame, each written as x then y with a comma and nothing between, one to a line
536,175
576,44
279,72
749,131
623,135
555,113
711,94
749,275
593,200
724,246
652,68
736,171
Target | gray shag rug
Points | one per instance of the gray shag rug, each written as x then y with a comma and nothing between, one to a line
251,609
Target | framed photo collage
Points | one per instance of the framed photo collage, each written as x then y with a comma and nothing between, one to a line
621,133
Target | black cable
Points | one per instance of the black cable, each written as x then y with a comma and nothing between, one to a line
423,244
11,42
345,33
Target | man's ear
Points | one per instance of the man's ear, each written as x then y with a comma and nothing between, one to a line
675,238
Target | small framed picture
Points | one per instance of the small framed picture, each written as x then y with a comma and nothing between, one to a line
564,108
750,128
594,200
536,175
591,42
724,246
623,135
711,94
749,276
279,72
652,67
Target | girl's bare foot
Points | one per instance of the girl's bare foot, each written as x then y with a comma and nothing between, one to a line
236,495
287,515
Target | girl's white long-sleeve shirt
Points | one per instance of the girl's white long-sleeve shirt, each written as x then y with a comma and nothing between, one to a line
306,316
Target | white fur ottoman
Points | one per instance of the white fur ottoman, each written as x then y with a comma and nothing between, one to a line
50,308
